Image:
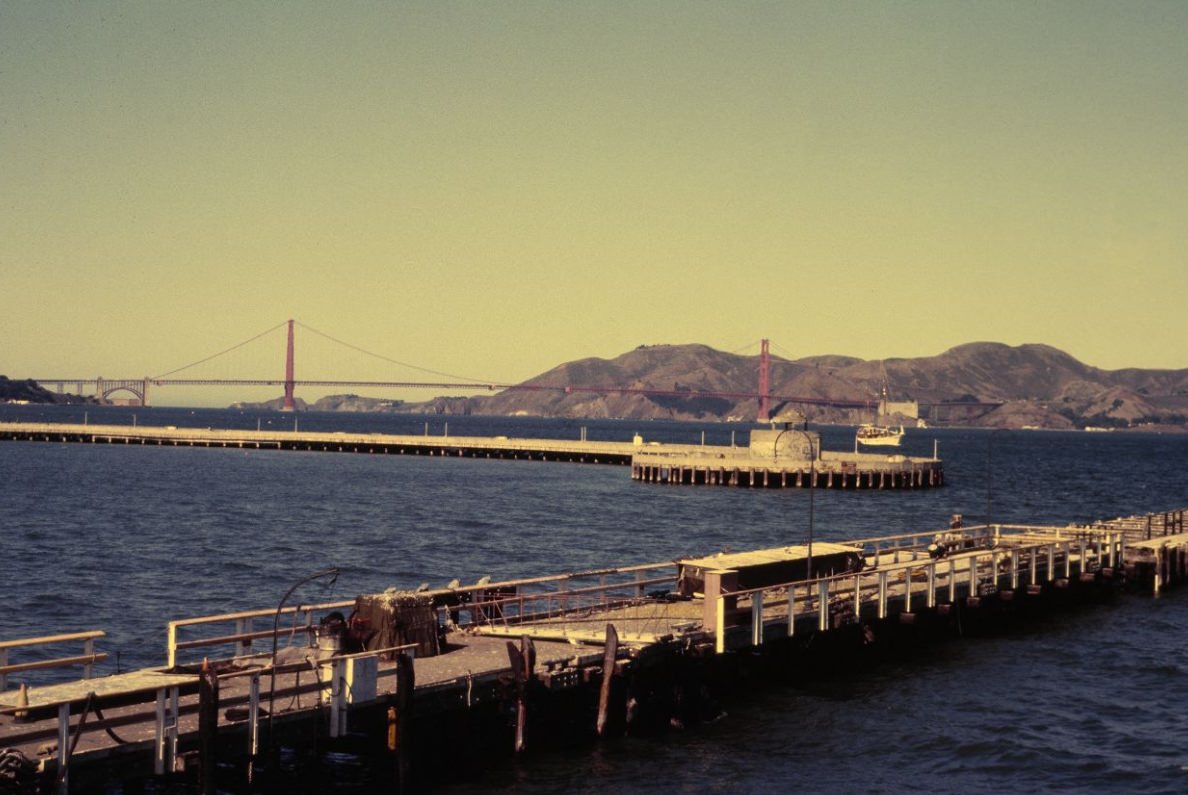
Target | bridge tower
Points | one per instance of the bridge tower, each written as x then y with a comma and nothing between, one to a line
288,405
764,381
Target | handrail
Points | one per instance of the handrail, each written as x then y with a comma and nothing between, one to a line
244,634
1091,551
87,659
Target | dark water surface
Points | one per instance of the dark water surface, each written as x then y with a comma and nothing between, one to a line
127,538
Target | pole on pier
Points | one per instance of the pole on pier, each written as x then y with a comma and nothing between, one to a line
610,653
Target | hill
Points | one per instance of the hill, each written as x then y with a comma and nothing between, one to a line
31,392
1032,385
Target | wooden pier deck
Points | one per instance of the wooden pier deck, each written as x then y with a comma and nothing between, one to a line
612,639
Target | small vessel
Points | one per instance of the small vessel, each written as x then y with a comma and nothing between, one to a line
878,435
873,435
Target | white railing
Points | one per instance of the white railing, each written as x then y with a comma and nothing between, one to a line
87,659
245,632
906,587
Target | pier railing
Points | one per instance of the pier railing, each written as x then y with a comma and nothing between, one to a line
560,598
87,659
1020,556
301,622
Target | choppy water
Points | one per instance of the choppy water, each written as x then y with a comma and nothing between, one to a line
126,538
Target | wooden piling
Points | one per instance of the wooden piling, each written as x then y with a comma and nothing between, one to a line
610,653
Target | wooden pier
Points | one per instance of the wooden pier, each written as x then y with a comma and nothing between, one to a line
514,665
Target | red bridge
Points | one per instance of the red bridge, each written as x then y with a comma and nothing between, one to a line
105,388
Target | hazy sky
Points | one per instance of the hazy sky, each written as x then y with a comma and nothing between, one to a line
490,189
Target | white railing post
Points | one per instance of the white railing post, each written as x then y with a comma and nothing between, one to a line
720,625
757,618
907,590
883,593
88,650
931,602
337,698
952,581
159,735
254,714
823,605
791,610
857,597
243,647
64,748
171,645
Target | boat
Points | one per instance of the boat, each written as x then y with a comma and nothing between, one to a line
873,435
878,435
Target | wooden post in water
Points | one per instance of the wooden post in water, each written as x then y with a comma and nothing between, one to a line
523,663
610,653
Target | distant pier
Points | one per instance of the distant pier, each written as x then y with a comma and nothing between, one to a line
577,451
774,458
422,680
788,457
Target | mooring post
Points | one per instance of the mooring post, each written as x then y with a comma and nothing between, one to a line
399,738
523,664
609,655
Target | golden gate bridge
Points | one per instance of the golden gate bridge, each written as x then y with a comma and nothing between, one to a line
104,388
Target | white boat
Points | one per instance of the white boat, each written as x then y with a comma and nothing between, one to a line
872,435
878,435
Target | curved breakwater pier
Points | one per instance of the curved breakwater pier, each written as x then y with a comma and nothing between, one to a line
774,458
433,683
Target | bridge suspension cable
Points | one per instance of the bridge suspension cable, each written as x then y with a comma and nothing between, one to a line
220,353
389,359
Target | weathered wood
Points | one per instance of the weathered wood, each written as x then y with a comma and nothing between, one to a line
406,683
609,655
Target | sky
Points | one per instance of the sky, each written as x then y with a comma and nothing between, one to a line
487,190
